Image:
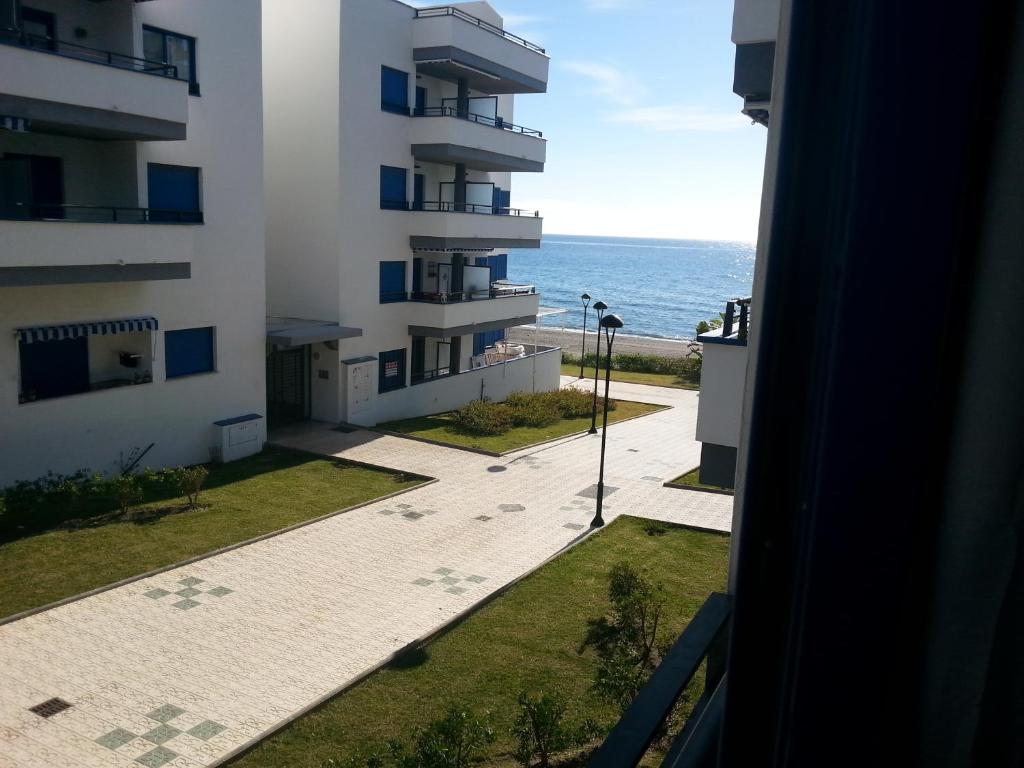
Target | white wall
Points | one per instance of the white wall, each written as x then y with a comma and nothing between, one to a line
536,373
755,21
226,290
722,383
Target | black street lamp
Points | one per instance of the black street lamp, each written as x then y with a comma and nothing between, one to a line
614,322
600,306
585,298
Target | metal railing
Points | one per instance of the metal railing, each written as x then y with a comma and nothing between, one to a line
85,53
418,377
101,214
422,377
705,637
425,13
447,207
493,122
729,319
496,291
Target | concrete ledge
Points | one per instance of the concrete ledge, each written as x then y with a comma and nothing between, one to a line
687,487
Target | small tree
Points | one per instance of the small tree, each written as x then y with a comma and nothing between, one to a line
190,483
709,325
539,729
127,491
457,740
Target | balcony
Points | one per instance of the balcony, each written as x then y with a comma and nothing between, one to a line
459,314
478,141
73,90
69,251
450,44
444,226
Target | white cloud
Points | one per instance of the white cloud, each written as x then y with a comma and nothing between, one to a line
677,117
608,81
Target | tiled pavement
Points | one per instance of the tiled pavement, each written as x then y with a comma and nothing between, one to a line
187,667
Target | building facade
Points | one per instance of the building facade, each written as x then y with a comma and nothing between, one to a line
132,282
390,149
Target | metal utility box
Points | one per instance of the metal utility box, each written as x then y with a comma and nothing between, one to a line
238,437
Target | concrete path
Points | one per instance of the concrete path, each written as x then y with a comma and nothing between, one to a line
189,667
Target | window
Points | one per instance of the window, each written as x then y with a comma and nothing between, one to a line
188,352
392,370
392,281
54,368
174,193
394,91
392,188
172,48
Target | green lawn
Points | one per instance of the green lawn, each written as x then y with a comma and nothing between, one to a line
693,478
240,500
437,428
527,639
633,377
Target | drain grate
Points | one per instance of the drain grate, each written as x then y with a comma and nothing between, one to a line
50,707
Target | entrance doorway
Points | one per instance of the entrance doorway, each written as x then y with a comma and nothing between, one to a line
287,386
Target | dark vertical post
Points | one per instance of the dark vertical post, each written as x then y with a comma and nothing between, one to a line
730,313
458,265
613,322
460,187
462,99
585,298
600,307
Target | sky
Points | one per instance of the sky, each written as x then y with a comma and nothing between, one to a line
645,136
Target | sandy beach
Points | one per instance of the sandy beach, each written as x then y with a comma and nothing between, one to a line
571,341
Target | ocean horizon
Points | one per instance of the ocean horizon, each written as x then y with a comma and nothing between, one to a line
659,287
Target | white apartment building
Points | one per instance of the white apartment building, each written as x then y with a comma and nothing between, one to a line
132,284
723,378
390,149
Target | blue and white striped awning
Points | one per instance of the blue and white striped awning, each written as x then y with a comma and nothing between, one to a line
18,124
78,330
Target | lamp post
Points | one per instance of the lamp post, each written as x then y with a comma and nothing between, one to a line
600,307
585,298
613,322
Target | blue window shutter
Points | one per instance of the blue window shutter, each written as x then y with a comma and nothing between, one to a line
392,188
506,198
394,90
188,351
500,269
479,343
392,281
172,188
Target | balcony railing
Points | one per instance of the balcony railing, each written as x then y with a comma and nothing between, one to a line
423,13
496,291
729,320
85,53
705,637
493,122
446,207
100,214
422,377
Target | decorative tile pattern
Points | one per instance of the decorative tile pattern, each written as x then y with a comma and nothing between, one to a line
161,733
511,507
303,627
205,730
165,713
189,592
590,492
574,526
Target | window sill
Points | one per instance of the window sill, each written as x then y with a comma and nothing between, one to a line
95,388
190,375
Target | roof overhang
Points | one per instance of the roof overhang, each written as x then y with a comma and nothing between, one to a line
465,330
296,336
447,62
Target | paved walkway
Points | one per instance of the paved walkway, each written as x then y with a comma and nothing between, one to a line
189,667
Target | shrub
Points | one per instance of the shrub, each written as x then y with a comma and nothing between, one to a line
627,641
457,740
126,490
540,730
482,417
574,403
533,410
190,482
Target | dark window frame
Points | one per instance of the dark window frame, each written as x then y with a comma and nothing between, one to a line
168,376
402,370
193,82
388,204
388,106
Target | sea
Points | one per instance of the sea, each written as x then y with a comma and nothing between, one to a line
659,288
